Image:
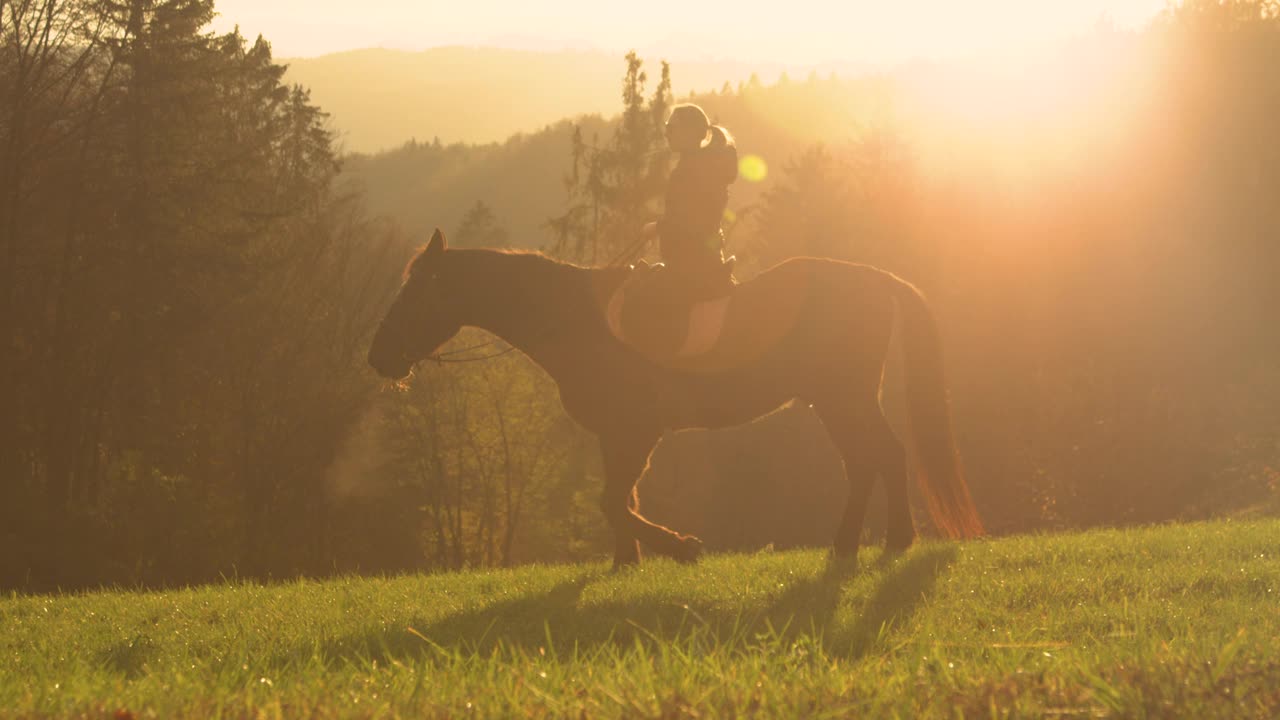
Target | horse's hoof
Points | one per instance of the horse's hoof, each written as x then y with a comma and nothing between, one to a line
897,546
844,554
689,551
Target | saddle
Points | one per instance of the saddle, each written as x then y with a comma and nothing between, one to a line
671,315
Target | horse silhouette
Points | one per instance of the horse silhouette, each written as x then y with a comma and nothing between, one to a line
808,329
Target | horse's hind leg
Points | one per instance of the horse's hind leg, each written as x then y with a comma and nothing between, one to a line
625,459
848,432
900,532
869,448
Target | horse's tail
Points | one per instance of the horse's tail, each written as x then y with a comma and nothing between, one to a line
939,469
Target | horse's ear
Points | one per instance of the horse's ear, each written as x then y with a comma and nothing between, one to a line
437,244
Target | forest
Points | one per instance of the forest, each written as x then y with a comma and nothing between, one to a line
191,270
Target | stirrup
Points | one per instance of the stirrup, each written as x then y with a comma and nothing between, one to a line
642,265
726,270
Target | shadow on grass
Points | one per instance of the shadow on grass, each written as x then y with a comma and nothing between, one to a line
895,599
810,607
553,622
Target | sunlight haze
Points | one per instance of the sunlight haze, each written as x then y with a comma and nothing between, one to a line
807,31
553,358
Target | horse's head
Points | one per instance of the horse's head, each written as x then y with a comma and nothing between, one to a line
421,318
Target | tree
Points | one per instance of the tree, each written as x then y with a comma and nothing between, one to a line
480,445
480,228
613,189
807,213
182,311
856,205
1222,15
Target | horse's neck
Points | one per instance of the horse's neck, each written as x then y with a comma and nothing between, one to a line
537,305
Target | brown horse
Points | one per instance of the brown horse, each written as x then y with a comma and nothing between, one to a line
809,329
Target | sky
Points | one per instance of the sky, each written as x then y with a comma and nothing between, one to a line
878,32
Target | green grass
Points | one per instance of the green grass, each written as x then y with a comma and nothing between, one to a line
1174,621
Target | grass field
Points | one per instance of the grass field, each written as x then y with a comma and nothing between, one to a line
1173,621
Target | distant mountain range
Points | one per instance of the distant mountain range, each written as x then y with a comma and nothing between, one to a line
381,99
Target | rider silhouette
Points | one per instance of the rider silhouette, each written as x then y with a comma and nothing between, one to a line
689,236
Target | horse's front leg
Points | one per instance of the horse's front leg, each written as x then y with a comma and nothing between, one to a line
626,456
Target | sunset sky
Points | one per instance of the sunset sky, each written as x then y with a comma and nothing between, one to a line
800,31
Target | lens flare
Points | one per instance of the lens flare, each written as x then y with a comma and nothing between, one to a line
753,168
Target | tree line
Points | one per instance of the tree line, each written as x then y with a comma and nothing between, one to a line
185,300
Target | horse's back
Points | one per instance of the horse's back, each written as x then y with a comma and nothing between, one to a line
800,301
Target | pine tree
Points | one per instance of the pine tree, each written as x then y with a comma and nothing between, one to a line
480,228
615,188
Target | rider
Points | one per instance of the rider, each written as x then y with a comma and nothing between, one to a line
689,236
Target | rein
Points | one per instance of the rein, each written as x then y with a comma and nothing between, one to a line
444,357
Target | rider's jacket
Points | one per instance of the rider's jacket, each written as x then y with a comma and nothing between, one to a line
697,195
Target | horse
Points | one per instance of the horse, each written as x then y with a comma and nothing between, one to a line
808,330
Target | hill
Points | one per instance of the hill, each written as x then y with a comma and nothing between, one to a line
422,185
380,99
1172,621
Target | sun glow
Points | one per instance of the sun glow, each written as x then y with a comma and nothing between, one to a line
1024,115
753,168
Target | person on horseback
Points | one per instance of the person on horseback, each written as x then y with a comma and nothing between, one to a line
689,236
657,313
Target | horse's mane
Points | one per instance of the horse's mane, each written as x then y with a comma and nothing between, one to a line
539,258
489,275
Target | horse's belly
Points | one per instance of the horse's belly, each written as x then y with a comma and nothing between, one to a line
712,404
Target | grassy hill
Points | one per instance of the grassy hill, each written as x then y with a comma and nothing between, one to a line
1173,621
